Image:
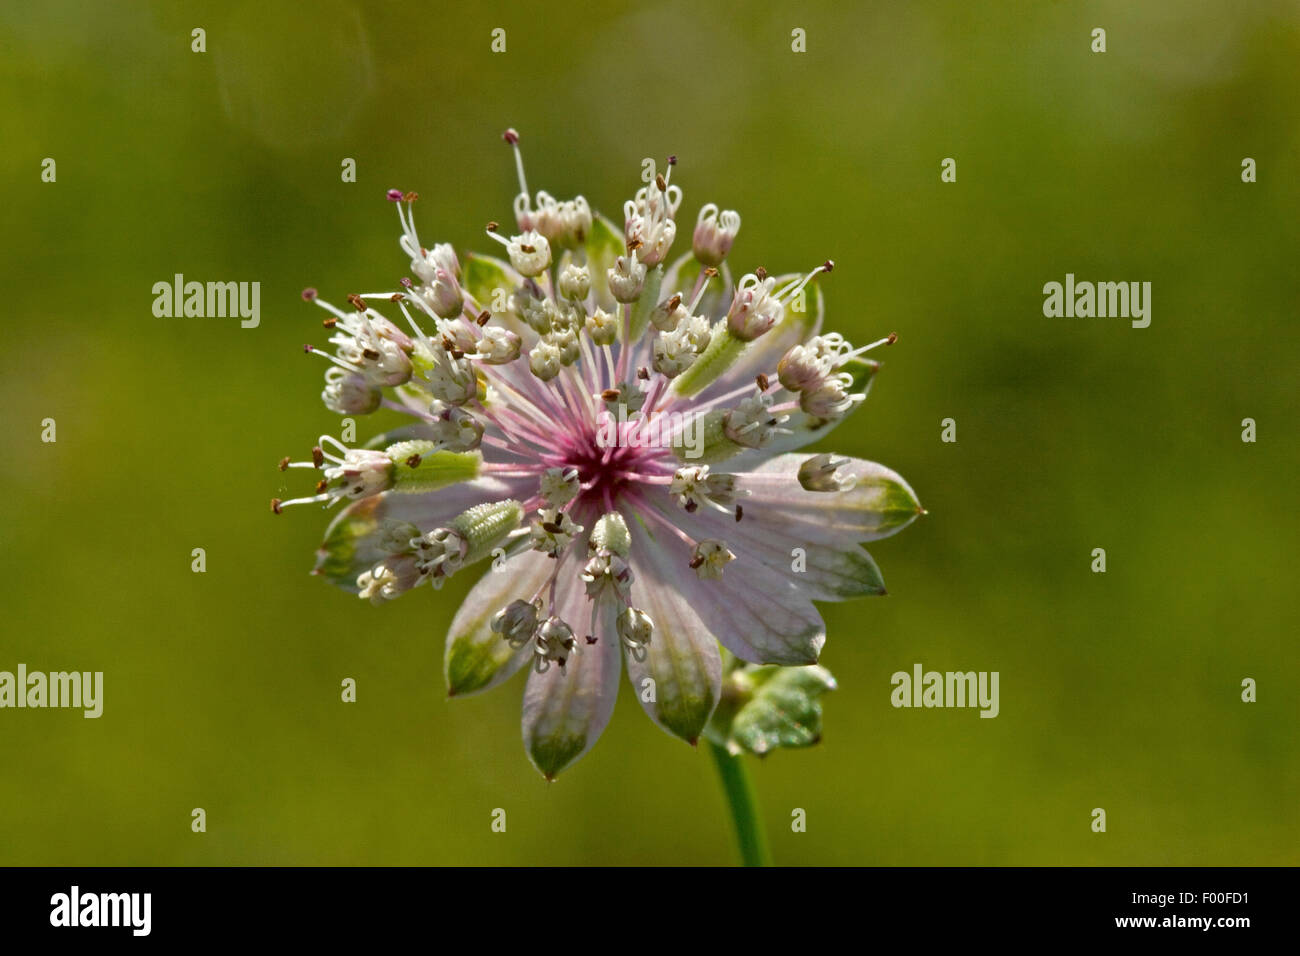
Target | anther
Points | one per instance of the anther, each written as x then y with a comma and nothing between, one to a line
609,395
697,561
510,136
396,297
891,338
358,303
659,181
411,197
308,294
493,225
317,456
484,317
394,195
740,512
284,463
643,374
761,273
762,382
321,486
413,461
275,505
330,322
710,273
591,639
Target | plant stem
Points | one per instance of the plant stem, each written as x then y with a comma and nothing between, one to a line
744,807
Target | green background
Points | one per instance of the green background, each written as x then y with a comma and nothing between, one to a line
1118,690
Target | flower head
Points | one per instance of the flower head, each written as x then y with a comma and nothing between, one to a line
616,433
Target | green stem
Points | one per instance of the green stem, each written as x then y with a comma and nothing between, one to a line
744,807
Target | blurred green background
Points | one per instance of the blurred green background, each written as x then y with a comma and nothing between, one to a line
1119,691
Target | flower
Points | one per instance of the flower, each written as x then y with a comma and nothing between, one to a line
616,433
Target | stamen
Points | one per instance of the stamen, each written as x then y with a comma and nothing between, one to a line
512,137
701,287
794,288
889,339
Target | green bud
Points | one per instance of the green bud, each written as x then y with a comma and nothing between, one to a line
419,466
610,533
486,526
722,351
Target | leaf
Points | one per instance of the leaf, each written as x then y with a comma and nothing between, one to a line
765,707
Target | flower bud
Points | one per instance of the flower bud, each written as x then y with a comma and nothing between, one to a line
575,282
453,428
552,531
714,235
497,346
554,643
517,621
627,278
362,472
559,486
348,393
710,558
821,473
530,253
754,310
602,327
635,628
544,359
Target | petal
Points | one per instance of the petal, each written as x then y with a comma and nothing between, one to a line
565,709
879,505
477,658
351,542
682,659
758,614
823,572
